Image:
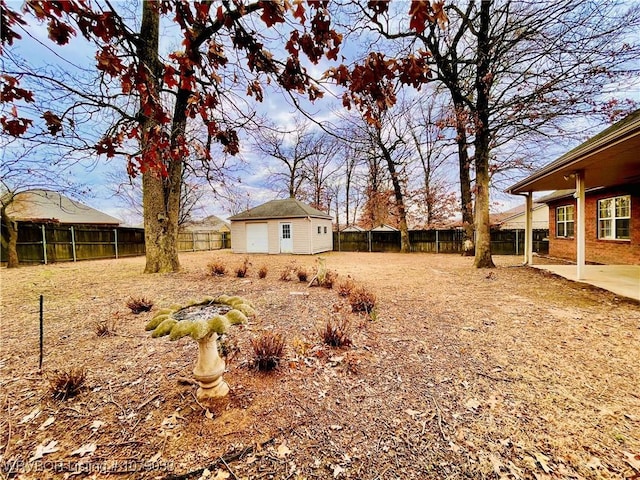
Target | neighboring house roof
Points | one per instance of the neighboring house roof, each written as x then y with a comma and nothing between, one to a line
210,223
353,228
609,158
288,208
502,217
560,194
385,228
48,206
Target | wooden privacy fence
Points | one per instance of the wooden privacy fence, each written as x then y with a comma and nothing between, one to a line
503,242
49,243
199,241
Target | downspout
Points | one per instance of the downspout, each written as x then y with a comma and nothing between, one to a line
310,235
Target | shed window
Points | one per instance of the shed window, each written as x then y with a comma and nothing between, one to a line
614,218
325,230
319,229
564,221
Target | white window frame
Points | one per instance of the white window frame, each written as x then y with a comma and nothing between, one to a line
618,209
565,220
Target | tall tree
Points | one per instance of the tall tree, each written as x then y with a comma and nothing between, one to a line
320,169
292,148
191,83
426,127
520,71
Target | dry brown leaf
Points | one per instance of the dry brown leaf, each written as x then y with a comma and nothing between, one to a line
221,475
543,460
337,471
155,458
283,451
472,404
86,449
412,413
96,425
44,449
27,418
632,460
47,423
594,463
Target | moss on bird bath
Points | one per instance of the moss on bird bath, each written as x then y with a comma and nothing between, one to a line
203,321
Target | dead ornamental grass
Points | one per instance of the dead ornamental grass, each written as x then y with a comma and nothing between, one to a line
463,374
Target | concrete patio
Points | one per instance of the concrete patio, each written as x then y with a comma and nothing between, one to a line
623,280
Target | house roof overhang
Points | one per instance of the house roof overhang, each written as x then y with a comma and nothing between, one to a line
610,158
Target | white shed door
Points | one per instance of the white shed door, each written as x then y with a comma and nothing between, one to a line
286,238
257,238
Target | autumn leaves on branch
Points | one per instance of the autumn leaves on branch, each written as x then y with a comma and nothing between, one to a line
210,31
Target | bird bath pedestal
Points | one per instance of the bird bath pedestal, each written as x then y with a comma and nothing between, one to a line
209,369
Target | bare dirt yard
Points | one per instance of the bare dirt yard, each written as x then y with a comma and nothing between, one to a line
507,373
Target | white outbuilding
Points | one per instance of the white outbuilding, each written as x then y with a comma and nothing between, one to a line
281,226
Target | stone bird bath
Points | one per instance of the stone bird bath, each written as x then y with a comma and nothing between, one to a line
203,321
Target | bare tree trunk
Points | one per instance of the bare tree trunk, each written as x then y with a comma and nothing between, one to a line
12,246
160,195
405,244
481,144
466,201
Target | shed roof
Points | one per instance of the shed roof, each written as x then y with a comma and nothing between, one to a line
48,206
288,208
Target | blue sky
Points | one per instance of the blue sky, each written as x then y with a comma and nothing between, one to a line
276,107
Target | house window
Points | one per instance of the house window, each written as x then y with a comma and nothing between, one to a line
319,229
614,218
564,221
325,230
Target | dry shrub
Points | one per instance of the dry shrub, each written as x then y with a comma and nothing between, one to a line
67,384
337,334
107,327
228,348
285,275
241,271
302,274
362,300
268,350
217,268
345,287
139,305
329,279
262,273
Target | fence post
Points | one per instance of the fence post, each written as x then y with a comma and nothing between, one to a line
44,244
369,232
115,231
516,241
73,243
209,239
437,243
193,241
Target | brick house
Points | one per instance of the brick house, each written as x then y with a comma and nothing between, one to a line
594,212
611,236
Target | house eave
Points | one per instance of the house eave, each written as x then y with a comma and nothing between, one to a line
610,159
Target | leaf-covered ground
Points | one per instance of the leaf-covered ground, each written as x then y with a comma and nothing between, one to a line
507,373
